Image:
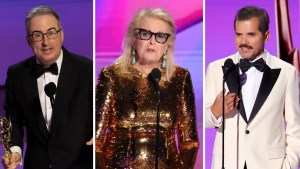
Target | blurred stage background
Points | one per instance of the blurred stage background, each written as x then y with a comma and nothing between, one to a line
219,39
113,17
77,22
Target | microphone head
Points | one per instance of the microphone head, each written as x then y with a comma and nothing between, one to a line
155,75
228,64
50,89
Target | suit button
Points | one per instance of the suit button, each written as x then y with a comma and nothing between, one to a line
247,131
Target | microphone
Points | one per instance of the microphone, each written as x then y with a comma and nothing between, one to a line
155,76
228,66
50,90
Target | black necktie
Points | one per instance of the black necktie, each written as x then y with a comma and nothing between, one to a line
245,65
40,70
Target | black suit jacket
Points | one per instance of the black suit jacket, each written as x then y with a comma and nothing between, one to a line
64,147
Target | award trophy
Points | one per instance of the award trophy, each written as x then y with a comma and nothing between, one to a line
5,130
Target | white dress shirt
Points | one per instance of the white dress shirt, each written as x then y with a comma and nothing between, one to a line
46,78
250,82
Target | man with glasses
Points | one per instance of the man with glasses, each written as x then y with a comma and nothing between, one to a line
59,131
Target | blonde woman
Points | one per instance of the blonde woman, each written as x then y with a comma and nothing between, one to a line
126,101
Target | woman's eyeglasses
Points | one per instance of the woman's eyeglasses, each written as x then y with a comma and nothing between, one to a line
144,34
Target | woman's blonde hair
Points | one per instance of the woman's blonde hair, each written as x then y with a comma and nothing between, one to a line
125,59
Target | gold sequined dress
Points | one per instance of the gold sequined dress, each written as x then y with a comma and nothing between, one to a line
126,106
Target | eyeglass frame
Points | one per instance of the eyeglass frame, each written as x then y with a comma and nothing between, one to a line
152,33
43,34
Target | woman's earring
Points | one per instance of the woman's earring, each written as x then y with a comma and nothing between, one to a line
164,63
133,57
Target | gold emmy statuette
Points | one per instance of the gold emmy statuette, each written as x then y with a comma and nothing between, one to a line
5,130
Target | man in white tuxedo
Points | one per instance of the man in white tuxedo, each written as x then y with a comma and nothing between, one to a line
262,111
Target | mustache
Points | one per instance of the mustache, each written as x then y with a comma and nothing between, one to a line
246,46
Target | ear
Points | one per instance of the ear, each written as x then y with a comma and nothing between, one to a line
166,50
267,36
133,43
28,40
62,34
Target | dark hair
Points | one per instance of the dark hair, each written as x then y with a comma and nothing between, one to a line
248,12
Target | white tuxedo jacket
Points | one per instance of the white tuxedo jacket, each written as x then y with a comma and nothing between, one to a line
270,139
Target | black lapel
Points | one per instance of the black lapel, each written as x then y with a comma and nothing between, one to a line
233,80
32,90
233,83
241,108
65,87
269,78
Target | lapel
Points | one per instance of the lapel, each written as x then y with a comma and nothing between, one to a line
233,84
32,90
65,86
241,108
233,80
269,78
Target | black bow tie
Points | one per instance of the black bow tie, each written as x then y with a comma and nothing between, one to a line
245,65
40,70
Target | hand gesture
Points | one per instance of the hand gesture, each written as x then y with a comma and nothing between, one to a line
231,102
11,162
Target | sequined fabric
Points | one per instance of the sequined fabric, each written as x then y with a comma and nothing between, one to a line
126,121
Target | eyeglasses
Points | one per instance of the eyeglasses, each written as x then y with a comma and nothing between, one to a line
144,34
39,36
